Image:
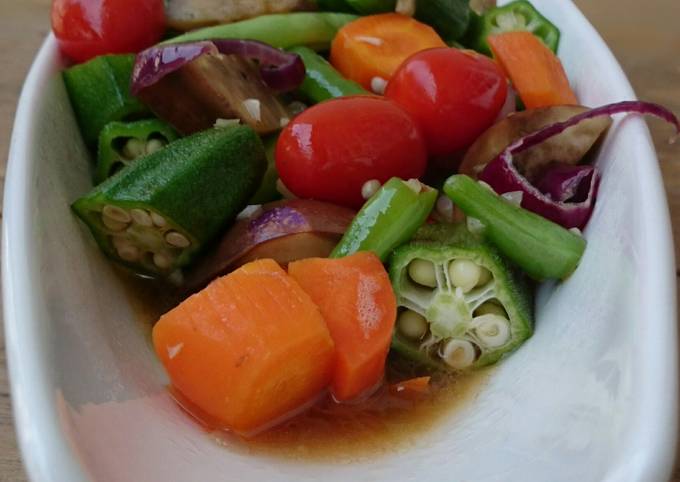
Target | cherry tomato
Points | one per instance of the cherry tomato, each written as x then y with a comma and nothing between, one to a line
332,149
87,28
453,95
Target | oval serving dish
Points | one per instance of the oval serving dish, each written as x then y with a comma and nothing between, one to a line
591,397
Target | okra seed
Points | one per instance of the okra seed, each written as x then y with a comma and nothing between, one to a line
464,274
484,276
370,188
162,261
458,354
412,325
492,330
490,308
133,148
117,214
154,145
125,249
141,217
423,273
177,240
158,220
112,224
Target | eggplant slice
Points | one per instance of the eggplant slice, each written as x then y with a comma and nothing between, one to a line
567,148
190,14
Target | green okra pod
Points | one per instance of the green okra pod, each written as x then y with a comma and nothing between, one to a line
282,30
122,143
389,218
322,81
156,214
99,91
543,249
517,15
461,305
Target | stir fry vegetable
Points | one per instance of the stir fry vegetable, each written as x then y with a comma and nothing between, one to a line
542,249
461,305
373,47
99,91
140,217
519,15
322,81
121,143
389,218
311,29
273,356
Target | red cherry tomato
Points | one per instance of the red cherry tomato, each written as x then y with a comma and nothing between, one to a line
87,28
332,149
453,96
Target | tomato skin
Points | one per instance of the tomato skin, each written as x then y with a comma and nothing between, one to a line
87,28
330,150
453,96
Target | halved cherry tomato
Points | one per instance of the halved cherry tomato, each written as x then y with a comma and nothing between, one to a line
87,28
332,149
453,96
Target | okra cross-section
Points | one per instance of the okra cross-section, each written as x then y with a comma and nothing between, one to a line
156,214
461,306
122,143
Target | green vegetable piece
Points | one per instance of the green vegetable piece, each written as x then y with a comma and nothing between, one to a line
334,6
156,214
100,93
543,249
267,191
122,143
388,219
477,310
517,15
450,18
322,81
369,7
282,30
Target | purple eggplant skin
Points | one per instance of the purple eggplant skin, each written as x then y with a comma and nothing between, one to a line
570,147
215,86
284,231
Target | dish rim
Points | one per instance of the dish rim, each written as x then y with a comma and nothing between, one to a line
45,447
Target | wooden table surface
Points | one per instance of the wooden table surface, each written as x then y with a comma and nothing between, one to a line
644,36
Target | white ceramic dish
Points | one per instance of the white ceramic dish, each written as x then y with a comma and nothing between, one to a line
591,397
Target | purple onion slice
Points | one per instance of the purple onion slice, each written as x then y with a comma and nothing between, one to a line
503,177
281,71
568,183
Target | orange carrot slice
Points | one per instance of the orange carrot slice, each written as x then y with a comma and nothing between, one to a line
374,46
356,299
535,71
247,350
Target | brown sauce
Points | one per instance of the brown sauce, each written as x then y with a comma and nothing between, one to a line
386,422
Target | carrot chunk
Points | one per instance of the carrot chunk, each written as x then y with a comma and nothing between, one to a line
375,45
247,350
535,71
356,299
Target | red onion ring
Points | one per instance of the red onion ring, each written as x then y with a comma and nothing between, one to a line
503,177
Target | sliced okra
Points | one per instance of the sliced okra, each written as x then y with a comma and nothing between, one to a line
122,143
156,214
461,305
